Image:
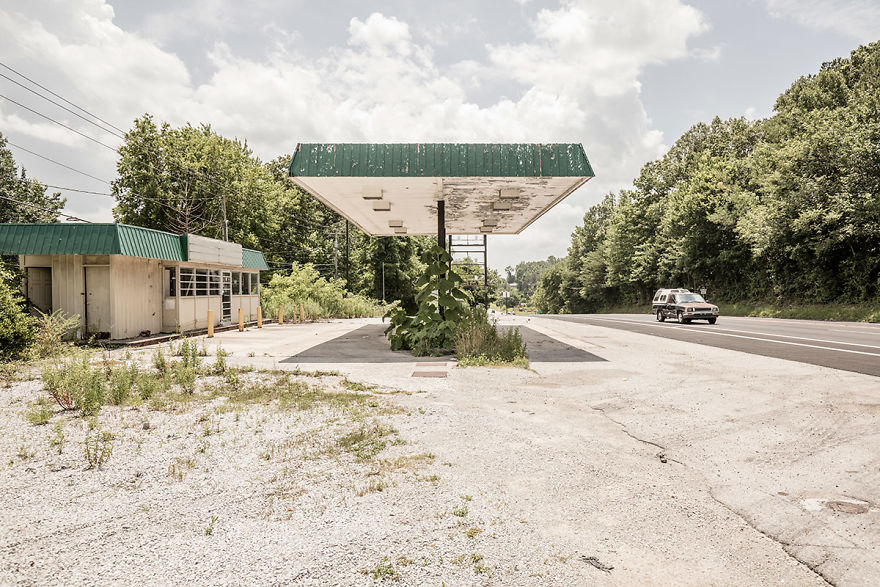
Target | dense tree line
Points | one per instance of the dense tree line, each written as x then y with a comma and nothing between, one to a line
785,209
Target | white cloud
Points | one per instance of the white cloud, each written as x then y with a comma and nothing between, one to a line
580,75
855,19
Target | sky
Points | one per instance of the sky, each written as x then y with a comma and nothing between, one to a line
623,77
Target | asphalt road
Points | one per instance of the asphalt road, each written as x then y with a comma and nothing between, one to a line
840,345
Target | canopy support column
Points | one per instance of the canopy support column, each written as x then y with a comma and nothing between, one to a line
441,223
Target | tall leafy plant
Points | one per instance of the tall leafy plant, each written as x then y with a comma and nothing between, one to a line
442,305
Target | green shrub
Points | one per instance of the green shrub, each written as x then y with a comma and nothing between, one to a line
98,448
16,324
51,331
122,381
477,341
75,385
147,386
319,297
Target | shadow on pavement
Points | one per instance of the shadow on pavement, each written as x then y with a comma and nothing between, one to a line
368,344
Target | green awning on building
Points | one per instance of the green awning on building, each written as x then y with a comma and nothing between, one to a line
393,189
103,239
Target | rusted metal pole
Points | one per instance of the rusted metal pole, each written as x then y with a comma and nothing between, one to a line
441,223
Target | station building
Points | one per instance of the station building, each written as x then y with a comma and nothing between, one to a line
126,281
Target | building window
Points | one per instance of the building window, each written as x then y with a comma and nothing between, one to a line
255,284
215,282
187,282
171,272
201,282
236,283
245,284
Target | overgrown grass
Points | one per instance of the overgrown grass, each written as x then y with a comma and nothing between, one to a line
478,343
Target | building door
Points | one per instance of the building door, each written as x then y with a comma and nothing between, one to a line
39,288
98,301
226,297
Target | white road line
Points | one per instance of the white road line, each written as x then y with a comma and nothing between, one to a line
707,331
870,346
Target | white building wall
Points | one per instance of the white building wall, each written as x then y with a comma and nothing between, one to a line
136,286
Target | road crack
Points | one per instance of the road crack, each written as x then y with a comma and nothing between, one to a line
787,547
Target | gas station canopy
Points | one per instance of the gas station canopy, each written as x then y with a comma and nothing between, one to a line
394,189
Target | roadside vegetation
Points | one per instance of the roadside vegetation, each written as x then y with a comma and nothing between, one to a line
775,217
304,290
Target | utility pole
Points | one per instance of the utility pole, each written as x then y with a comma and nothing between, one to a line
383,282
336,252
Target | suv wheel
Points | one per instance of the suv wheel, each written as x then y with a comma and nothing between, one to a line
713,320
660,316
681,318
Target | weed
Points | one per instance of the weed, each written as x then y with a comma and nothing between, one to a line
51,330
98,447
56,441
75,385
159,361
24,453
185,374
356,386
177,470
220,361
202,447
209,530
147,386
251,354
40,412
383,570
477,341
473,531
365,442
432,478
466,497
371,487
460,511
122,381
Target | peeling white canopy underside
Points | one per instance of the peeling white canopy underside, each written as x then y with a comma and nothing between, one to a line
396,206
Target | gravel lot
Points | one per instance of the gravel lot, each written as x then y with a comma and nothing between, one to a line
551,476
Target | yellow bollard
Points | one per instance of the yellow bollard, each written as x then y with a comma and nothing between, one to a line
240,320
295,316
302,313
259,316
210,323
280,315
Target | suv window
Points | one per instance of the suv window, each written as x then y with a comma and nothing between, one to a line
663,298
671,299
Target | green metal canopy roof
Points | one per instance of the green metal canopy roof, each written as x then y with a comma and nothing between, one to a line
440,160
102,239
393,189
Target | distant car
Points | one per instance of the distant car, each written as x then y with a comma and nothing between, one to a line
682,305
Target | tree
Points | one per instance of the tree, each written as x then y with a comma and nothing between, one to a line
23,199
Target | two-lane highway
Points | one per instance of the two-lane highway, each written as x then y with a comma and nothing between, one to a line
840,345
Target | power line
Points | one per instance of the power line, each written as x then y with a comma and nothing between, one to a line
56,212
61,97
77,114
56,162
49,118
58,187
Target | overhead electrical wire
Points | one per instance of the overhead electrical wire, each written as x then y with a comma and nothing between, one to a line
49,118
57,212
60,97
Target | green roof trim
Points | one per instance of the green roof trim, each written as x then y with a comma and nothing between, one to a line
251,259
103,239
440,160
